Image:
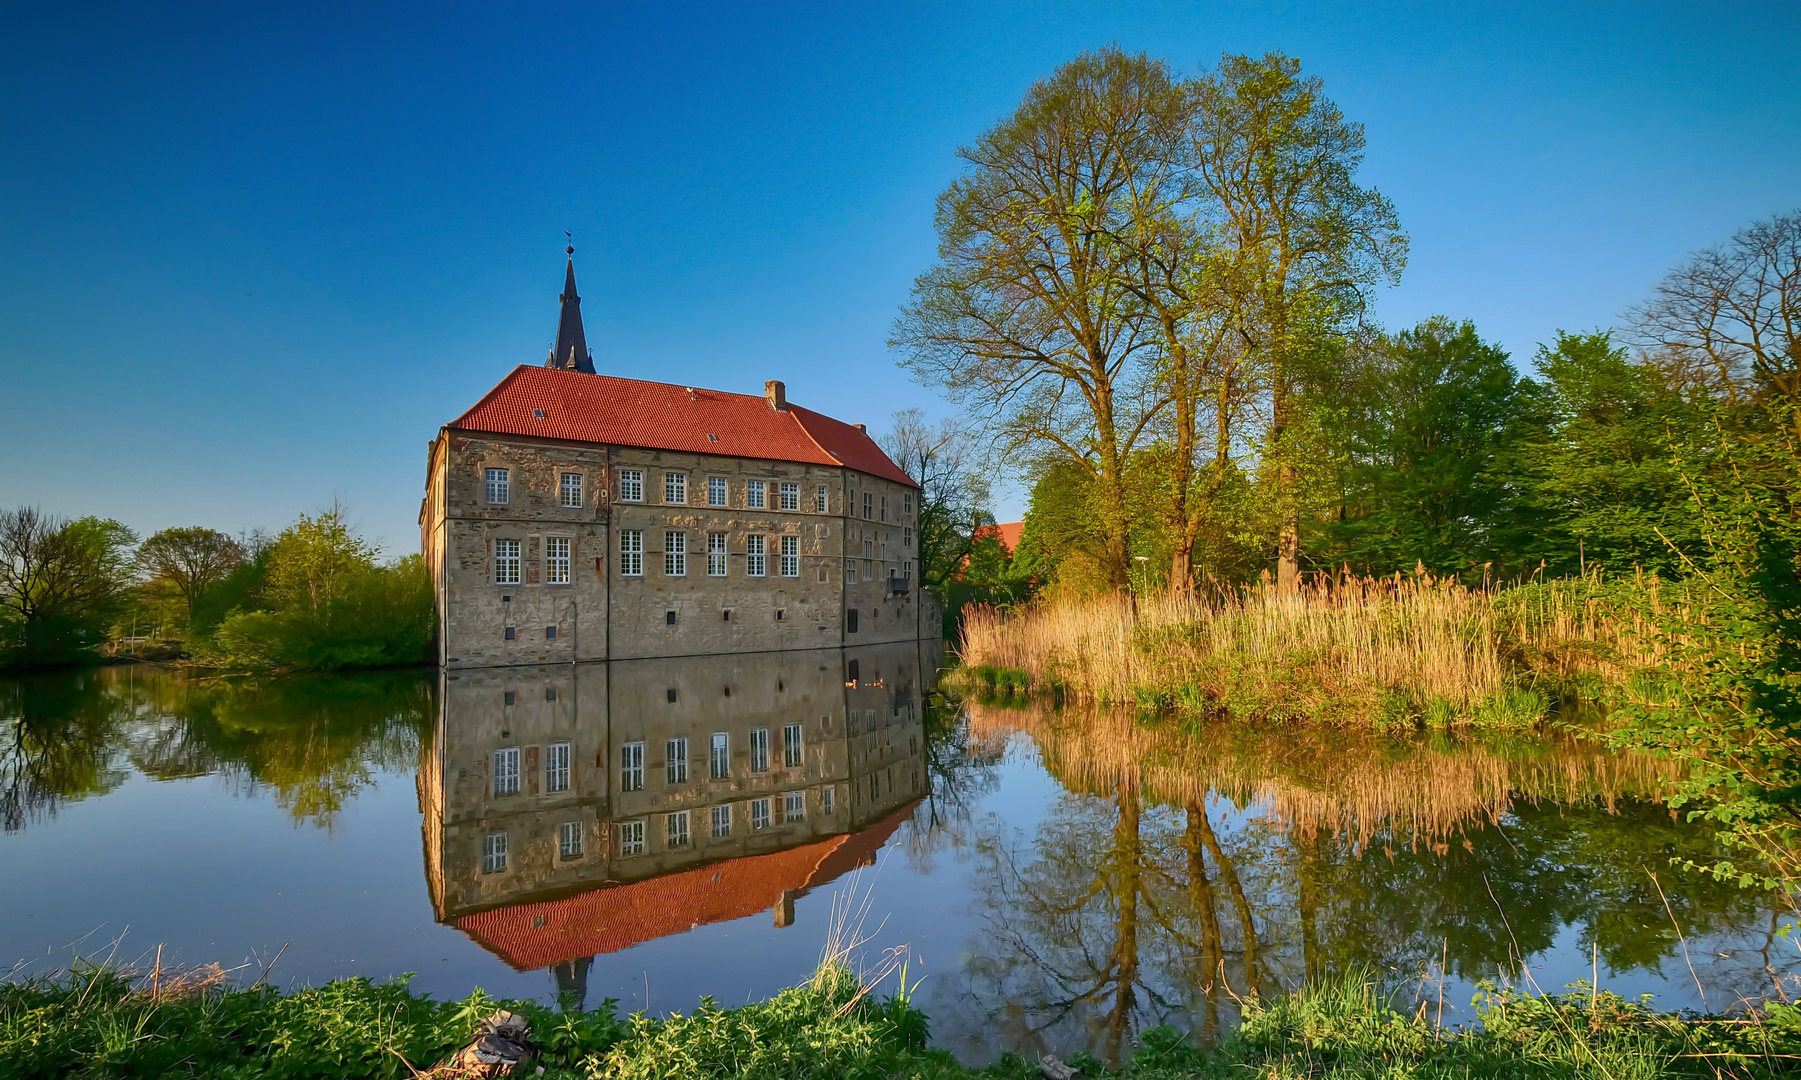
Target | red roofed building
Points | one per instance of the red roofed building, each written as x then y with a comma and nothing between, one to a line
570,515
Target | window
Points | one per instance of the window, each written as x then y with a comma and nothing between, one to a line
631,552
721,754
506,771
790,496
754,563
550,693
550,633
675,554
906,505
791,745
794,806
556,767
506,562
494,853
715,554
511,633
675,828
722,821
556,560
884,508
828,799
759,749
508,698
753,494
715,491
850,571
759,813
631,485
631,767
631,838
868,505
571,488
498,487
569,840
675,488
676,753
850,621
790,556
819,500
907,537
868,549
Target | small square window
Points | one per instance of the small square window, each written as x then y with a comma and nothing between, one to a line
668,618
671,694
781,614
550,633
550,693
512,633
507,698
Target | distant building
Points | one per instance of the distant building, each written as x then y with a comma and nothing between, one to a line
1007,532
575,516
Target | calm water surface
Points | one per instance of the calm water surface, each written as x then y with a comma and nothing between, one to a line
653,831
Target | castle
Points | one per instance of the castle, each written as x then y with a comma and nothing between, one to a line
572,516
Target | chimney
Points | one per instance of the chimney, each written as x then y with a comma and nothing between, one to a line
864,428
776,394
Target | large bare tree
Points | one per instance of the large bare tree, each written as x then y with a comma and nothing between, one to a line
52,569
953,492
1305,242
188,561
1028,320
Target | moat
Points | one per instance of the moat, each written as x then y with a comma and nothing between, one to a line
658,830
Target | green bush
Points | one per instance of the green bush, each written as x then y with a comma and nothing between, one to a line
376,617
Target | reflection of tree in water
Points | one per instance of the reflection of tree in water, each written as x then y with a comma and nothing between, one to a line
961,771
1133,903
314,742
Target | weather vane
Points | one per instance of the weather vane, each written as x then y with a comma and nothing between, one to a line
571,248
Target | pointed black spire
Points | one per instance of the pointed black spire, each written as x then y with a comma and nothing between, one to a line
570,353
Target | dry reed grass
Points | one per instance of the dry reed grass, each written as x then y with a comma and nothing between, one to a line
1344,783
1338,649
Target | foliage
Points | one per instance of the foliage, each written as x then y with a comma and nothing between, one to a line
367,616
183,563
61,585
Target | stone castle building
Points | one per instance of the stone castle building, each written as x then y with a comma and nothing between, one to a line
572,516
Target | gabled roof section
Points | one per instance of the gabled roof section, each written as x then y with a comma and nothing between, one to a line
554,404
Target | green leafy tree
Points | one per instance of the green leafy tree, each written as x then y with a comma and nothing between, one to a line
313,558
61,585
183,563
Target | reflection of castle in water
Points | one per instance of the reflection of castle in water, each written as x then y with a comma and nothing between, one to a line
572,810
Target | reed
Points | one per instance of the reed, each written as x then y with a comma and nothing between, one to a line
1336,650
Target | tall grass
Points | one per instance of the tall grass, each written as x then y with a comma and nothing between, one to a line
1337,650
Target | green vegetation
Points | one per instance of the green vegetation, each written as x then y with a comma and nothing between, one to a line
100,1023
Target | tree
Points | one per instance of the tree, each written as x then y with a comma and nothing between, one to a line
1027,319
60,582
313,558
189,561
953,493
1306,242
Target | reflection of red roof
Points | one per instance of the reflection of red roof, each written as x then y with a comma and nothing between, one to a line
1008,532
660,416
537,935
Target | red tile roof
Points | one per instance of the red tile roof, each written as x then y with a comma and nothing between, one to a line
1007,531
662,416
537,935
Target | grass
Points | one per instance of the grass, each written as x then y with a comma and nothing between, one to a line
100,1022
1349,650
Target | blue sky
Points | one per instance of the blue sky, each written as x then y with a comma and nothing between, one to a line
251,257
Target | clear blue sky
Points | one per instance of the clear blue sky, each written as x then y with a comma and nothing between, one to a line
252,258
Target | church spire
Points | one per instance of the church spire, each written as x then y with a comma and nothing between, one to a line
570,353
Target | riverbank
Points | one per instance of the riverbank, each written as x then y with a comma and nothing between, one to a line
1346,651
95,1022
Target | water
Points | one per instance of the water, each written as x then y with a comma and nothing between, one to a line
1060,880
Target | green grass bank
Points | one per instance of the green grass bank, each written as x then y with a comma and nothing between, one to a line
98,1023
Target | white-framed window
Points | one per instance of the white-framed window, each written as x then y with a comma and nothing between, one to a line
907,537
569,487
722,820
759,813
494,853
794,806
754,494
556,767
790,496
790,556
721,755
631,485
497,486
819,500
569,840
828,798
755,559
631,837
906,505
506,562
631,552
675,828
675,753
716,555
868,505
675,554
759,749
715,491
675,488
556,560
506,771
631,767
791,744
